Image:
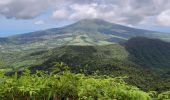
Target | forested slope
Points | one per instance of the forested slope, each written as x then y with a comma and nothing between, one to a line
125,59
149,52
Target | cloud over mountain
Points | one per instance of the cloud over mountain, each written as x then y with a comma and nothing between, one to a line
130,12
23,9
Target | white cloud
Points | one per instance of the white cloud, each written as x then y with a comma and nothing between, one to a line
119,11
60,14
164,18
23,9
39,22
4,2
83,11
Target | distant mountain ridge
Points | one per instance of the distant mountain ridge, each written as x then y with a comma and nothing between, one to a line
83,32
145,52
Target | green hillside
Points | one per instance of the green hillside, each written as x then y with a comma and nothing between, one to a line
149,52
83,32
93,47
125,59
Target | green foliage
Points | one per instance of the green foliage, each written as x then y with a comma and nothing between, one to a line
2,63
153,94
112,60
66,85
164,96
147,68
151,53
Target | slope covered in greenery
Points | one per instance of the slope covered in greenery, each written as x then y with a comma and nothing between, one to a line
149,52
65,85
84,32
89,47
113,60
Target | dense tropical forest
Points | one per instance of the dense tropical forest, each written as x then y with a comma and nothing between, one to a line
61,84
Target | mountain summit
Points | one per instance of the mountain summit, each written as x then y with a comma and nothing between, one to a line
83,32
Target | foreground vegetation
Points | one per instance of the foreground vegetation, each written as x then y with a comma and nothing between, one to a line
144,61
62,85
66,85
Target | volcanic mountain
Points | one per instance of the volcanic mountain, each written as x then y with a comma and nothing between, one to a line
83,32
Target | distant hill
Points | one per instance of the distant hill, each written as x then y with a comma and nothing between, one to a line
83,32
145,52
145,61
4,40
141,51
149,52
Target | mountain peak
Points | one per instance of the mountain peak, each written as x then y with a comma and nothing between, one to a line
86,31
90,25
93,21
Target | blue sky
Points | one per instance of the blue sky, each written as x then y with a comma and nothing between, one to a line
22,16
12,26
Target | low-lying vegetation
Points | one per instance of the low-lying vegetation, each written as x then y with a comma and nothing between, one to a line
64,85
43,86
